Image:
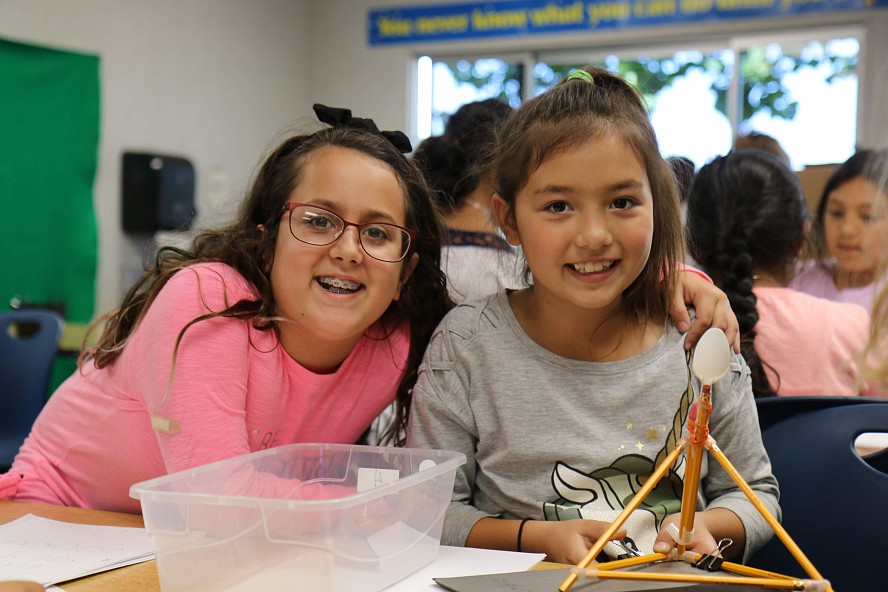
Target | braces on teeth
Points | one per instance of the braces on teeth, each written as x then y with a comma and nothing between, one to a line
337,283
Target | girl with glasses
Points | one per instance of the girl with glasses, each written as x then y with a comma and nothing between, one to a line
299,322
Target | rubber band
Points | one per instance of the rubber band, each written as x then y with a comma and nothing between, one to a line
581,75
692,425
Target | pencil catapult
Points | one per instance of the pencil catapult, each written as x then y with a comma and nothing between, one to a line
710,365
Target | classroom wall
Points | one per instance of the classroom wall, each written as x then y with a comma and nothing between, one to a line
217,81
211,80
379,77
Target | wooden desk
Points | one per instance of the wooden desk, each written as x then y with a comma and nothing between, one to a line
141,577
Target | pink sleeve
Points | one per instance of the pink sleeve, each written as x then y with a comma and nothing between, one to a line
685,267
202,417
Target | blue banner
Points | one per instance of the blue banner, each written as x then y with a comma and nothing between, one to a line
416,24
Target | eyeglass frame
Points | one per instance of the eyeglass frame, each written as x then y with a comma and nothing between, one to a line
290,206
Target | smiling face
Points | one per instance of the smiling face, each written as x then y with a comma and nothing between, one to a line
333,293
584,220
854,228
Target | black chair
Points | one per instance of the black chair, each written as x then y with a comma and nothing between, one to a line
833,501
29,341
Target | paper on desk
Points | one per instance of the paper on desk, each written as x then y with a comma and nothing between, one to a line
461,561
49,551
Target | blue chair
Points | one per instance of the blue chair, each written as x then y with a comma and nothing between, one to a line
774,409
29,340
833,501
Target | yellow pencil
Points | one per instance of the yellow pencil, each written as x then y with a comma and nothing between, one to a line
778,583
630,507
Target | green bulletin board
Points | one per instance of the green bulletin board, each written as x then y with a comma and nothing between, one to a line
49,140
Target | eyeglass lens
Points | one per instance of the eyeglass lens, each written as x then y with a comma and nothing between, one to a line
317,226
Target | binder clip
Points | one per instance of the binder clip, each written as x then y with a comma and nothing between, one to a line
713,561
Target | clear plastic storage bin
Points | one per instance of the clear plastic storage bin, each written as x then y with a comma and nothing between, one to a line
314,517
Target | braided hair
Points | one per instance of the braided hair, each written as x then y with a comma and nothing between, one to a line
746,211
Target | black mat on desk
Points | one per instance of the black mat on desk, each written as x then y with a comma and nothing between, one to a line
548,580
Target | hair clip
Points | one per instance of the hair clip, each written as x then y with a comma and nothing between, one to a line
342,118
581,75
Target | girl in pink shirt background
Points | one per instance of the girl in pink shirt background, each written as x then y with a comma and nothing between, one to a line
848,231
747,221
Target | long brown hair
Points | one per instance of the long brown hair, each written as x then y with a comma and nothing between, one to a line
572,113
249,250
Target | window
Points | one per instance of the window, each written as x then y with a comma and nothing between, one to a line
804,93
456,82
799,88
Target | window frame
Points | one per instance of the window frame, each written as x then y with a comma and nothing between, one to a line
791,41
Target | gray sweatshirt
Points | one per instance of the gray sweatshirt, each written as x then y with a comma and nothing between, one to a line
547,437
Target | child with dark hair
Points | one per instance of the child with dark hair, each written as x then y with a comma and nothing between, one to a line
764,142
299,322
848,232
747,221
683,169
476,258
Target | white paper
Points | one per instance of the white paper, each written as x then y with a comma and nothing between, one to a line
49,551
464,561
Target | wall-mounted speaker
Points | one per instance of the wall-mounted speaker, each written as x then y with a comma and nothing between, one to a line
158,193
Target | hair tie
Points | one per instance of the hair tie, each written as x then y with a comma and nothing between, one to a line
342,118
581,75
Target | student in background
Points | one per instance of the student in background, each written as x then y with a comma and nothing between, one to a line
760,141
565,395
875,353
476,258
747,224
874,358
848,230
299,322
683,169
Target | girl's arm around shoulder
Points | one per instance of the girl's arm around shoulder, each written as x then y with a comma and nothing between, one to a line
712,308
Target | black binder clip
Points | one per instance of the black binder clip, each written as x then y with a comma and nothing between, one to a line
629,548
713,561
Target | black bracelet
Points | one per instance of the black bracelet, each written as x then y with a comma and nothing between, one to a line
520,530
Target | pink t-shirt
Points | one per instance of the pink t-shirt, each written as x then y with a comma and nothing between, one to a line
816,279
810,341
234,391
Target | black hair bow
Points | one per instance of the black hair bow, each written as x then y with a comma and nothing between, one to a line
340,118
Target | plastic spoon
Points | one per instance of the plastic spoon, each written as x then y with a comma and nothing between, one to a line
712,356
711,362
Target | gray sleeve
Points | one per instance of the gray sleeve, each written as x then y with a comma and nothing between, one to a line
441,418
735,429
